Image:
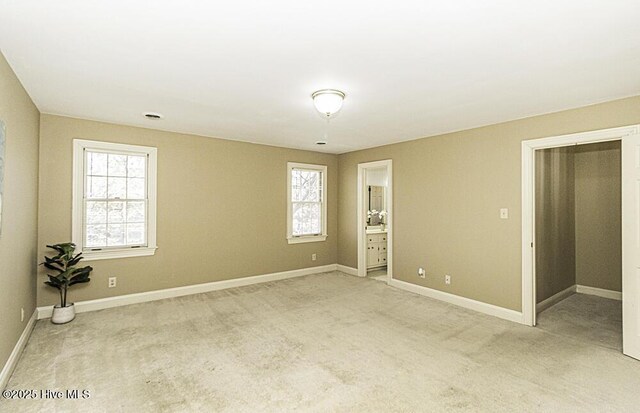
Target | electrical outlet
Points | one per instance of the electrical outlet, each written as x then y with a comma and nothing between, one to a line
504,213
313,257
447,279
112,282
21,315
421,272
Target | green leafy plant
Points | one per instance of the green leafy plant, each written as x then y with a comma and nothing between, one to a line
67,274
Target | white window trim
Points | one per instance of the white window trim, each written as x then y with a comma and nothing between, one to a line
306,238
79,147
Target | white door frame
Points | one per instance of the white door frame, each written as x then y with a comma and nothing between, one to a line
528,202
362,212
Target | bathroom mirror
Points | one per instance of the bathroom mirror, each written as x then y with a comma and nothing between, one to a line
376,202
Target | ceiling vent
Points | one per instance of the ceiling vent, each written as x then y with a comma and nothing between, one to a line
153,115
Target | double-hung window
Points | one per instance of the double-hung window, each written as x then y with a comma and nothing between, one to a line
306,203
114,199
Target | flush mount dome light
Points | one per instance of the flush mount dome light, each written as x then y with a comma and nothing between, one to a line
153,115
328,101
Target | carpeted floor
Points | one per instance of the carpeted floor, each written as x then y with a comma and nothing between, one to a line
588,318
378,275
320,343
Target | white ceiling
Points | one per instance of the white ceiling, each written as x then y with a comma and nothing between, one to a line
245,69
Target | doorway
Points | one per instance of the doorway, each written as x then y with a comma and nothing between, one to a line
375,220
578,259
630,218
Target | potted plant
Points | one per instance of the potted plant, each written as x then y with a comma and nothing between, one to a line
67,275
378,217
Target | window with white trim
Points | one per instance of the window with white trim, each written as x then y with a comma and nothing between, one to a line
306,202
114,199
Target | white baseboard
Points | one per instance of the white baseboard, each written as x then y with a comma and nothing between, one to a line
555,299
580,289
102,303
11,363
600,292
478,306
347,270
109,302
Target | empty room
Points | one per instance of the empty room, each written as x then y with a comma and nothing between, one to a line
336,207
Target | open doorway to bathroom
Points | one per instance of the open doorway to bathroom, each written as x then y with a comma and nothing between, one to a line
375,220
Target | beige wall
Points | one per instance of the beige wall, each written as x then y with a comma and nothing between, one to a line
221,209
555,221
19,214
598,216
578,218
448,190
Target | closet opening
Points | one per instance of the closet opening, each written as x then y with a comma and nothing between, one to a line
578,238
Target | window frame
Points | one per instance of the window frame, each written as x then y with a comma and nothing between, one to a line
80,146
298,239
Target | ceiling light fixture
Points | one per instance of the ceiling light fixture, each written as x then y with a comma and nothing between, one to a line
328,101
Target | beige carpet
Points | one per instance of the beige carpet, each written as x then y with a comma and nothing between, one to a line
378,275
587,318
320,343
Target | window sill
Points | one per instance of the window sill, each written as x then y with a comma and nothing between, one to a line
118,253
301,240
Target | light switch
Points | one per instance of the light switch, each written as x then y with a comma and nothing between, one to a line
504,213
